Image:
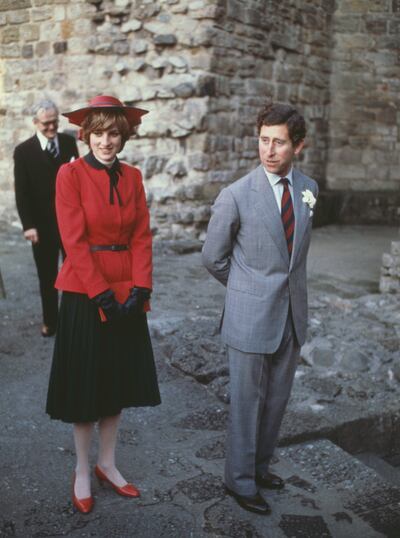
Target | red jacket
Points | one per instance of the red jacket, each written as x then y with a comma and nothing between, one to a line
86,217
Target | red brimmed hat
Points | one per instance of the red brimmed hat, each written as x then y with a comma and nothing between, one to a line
132,114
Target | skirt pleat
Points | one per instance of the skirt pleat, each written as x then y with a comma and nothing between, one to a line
99,368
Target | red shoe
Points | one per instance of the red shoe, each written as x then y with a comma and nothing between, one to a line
128,490
84,506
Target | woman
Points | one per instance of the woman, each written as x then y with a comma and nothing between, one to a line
103,360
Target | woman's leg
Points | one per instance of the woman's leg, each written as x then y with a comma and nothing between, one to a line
108,430
82,436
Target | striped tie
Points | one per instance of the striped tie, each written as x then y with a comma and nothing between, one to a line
52,148
287,215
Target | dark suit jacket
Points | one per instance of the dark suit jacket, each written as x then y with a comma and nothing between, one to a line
35,174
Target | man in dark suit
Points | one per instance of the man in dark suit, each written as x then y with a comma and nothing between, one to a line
36,163
256,246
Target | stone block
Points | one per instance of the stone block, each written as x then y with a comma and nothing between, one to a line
75,11
380,6
41,14
153,165
184,90
199,161
60,47
27,51
10,51
176,168
120,48
6,5
395,248
42,48
133,25
59,13
10,35
394,26
17,17
346,24
389,285
354,6
376,26
165,40
67,29
30,32
139,46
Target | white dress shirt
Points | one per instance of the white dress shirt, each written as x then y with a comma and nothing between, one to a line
277,186
44,141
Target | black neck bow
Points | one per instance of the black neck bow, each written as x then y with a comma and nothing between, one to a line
113,173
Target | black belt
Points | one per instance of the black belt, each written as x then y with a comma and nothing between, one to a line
114,248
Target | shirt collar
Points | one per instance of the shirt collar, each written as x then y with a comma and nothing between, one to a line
95,163
274,179
43,140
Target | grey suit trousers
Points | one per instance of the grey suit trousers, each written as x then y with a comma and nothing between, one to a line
260,386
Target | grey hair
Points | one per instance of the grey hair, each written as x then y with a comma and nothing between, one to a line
43,104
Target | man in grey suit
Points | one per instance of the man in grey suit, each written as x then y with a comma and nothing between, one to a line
257,243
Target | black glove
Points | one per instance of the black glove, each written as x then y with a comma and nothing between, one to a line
106,301
135,301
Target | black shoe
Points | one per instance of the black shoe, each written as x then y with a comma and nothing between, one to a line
269,481
253,503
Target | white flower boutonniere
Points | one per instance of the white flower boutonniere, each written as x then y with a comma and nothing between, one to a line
309,199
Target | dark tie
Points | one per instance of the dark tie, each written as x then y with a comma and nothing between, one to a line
52,148
287,214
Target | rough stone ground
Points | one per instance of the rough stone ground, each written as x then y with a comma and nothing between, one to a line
346,392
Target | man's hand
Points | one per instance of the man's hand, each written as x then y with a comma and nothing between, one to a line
32,235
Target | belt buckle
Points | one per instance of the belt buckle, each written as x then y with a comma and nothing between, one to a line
113,247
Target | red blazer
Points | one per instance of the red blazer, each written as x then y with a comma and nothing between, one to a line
86,217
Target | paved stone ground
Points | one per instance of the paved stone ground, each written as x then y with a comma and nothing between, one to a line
346,391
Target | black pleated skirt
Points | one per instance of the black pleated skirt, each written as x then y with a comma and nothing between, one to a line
99,368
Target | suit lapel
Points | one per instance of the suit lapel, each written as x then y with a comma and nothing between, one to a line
301,213
268,210
64,156
43,157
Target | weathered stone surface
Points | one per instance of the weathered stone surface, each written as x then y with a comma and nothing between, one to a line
165,39
10,35
304,526
208,419
202,488
390,271
335,60
60,46
5,5
222,521
133,25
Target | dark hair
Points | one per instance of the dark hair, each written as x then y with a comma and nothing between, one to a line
99,120
276,114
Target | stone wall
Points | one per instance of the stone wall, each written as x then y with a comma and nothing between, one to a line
390,270
203,68
364,123
267,50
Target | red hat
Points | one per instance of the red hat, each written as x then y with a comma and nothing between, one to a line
131,113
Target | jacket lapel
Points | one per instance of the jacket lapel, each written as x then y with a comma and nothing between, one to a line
44,159
64,155
268,210
301,213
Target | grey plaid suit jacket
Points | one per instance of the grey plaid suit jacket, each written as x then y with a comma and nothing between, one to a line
245,249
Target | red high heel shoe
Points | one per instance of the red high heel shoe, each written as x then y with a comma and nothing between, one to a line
128,490
84,506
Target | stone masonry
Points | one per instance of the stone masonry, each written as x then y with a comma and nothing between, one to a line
390,270
203,68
